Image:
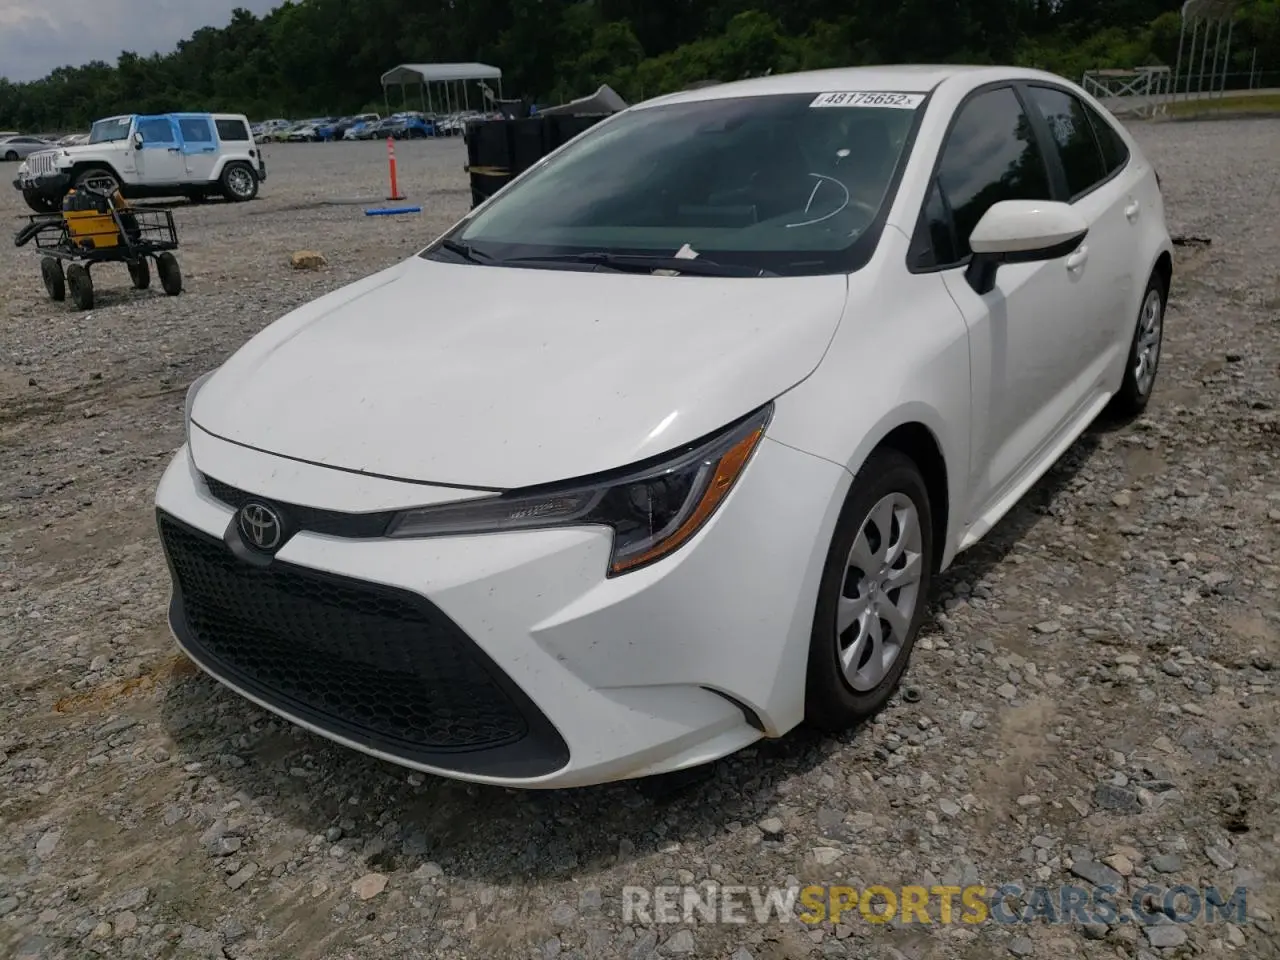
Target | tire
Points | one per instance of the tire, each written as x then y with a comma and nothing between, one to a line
11,156
80,283
140,274
239,183
888,487
98,178
55,281
41,203
1143,362
170,274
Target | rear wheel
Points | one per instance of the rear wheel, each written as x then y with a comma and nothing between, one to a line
80,284
873,595
55,281
239,182
11,156
170,274
140,274
1144,353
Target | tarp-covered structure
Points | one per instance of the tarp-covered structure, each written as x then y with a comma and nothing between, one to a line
443,85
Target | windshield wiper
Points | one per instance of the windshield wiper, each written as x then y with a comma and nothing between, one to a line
642,263
466,251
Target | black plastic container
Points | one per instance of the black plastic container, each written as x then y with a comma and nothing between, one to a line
498,150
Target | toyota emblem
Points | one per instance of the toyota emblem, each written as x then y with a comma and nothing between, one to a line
260,526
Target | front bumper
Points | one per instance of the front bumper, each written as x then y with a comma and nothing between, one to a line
505,658
47,185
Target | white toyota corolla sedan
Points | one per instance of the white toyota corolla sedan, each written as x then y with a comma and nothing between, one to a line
655,453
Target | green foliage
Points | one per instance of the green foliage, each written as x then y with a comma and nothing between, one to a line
311,57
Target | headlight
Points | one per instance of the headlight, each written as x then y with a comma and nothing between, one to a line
653,509
191,400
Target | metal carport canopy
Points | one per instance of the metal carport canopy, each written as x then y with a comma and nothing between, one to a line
407,73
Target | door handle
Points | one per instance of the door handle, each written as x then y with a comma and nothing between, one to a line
1133,210
175,149
208,149
1078,259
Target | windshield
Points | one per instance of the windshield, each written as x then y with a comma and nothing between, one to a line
787,184
115,129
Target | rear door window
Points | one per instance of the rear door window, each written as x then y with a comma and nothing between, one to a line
195,130
1115,153
1073,136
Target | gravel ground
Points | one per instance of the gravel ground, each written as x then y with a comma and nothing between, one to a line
1093,701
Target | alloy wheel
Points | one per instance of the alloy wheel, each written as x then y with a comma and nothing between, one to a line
240,181
880,593
1147,350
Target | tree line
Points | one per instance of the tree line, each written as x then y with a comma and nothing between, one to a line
310,57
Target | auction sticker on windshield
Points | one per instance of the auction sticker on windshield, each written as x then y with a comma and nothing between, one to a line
880,98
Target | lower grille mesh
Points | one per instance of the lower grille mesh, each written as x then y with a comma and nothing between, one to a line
382,666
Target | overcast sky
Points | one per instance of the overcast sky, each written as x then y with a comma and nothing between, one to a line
38,35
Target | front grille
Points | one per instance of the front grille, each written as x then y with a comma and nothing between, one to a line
328,522
381,667
40,164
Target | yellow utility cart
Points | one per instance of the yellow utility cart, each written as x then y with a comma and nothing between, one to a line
98,226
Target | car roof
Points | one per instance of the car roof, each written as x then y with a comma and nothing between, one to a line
902,78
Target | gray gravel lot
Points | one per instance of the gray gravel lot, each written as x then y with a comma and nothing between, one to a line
1096,693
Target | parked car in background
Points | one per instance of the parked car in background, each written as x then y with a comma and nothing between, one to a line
376,129
20,147
278,131
873,307
260,130
338,129
174,154
74,139
308,131
357,130
455,124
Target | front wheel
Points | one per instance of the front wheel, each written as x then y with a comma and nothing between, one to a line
97,180
41,202
1144,353
239,182
873,595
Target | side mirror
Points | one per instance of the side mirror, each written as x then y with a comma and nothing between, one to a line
1021,231
137,141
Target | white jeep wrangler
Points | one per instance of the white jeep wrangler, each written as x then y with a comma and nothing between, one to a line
174,154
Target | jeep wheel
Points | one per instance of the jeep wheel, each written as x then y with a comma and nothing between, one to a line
239,182
40,202
97,180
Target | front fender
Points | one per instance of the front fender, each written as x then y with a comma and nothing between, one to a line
899,357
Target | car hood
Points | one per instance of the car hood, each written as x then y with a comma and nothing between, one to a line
502,377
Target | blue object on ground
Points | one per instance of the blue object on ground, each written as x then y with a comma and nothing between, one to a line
389,211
